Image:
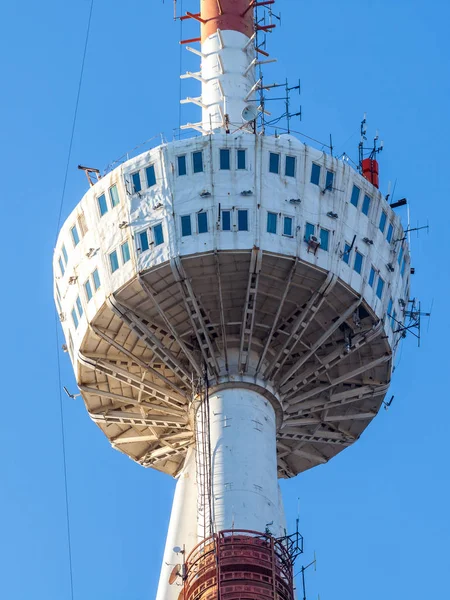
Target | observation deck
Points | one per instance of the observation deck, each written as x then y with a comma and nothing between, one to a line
268,263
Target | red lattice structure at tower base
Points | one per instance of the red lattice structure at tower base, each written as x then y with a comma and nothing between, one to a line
239,565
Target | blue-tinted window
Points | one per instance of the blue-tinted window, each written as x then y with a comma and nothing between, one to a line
403,267
79,306
102,206
74,318
186,227
372,276
125,249
290,166
390,232
329,180
75,236
272,222
113,261
224,159
158,235
315,174
242,220
136,180
226,220
202,222
310,230
400,255
88,290
366,205
355,196
324,239
380,288
143,241
61,266
197,162
241,162
274,163
287,226
347,251
64,253
150,175
357,265
383,220
114,196
182,165
96,279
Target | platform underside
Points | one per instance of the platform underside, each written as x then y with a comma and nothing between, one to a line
250,317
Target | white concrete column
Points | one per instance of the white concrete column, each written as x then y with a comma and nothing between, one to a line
182,528
243,461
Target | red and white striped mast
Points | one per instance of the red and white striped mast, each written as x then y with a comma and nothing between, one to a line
229,59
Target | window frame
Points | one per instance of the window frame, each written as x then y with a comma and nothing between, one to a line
329,185
277,156
158,230
195,169
372,277
181,156
365,208
116,261
270,215
291,219
133,182
224,159
186,219
380,290
355,187
150,168
347,253
229,213
315,169
87,286
113,202
141,236
102,211
390,232
239,211
294,163
309,227
358,256
75,237
94,280
125,252
240,152
327,238
201,213
383,221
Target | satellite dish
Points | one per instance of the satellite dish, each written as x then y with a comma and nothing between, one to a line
249,113
175,573
177,550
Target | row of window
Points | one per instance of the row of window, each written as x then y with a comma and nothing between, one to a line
91,285
143,179
77,231
113,200
125,256
358,262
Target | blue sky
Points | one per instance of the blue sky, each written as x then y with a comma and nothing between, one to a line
377,515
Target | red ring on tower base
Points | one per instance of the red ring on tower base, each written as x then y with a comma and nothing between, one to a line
239,565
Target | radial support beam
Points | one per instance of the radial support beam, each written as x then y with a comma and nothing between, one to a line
222,310
162,453
336,400
162,313
197,316
151,340
132,380
287,287
313,457
107,336
318,343
320,437
126,400
303,318
118,417
296,401
332,359
248,317
307,421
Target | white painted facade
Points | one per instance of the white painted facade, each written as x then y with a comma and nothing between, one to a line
174,196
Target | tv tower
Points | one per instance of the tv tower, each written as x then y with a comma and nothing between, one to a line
231,305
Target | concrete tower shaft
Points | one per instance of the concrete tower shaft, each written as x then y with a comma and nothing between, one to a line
228,65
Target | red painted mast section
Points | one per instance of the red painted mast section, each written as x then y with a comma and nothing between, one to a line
235,15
